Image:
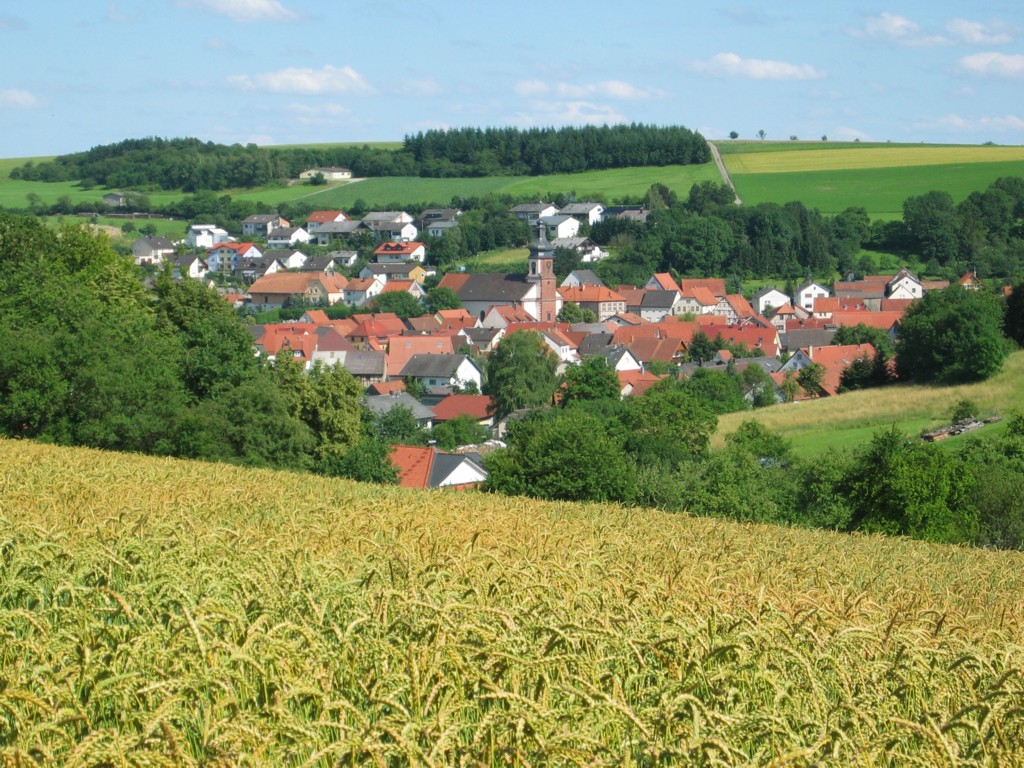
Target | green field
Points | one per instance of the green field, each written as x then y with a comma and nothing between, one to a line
165,613
850,420
830,176
833,177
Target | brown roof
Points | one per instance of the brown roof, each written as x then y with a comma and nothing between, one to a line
714,284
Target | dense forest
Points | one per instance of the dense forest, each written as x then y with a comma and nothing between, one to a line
192,165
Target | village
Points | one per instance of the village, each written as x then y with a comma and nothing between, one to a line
644,333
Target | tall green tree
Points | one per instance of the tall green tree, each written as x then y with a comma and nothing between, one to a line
950,336
520,373
591,379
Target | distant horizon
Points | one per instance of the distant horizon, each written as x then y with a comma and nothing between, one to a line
740,139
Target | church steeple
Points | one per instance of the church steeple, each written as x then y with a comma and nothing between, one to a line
542,272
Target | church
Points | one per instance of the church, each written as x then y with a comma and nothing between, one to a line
536,293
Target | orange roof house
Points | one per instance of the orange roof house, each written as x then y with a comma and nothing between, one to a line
476,406
427,467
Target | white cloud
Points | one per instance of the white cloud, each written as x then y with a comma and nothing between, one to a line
569,113
19,99
890,28
845,133
732,65
1000,124
994,64
976,33
243,10
609,89
327,79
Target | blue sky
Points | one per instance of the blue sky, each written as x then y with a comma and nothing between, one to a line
75,75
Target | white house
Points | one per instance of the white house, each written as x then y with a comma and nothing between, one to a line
443,370
585,213
188,265
318,218
206,235
588,250
532,212
262,224
330,173
399,253
290,258
152,250
226,256
285,237
768,299
559,226
362,289
904,285
807,293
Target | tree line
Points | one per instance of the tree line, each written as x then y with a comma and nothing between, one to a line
704,235
192,165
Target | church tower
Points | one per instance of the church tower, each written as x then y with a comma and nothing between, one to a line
542,273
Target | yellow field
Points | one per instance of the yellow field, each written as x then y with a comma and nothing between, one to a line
825,159
160,612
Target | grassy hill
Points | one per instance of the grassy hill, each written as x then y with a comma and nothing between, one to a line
879,177
830,176
851,419
162,612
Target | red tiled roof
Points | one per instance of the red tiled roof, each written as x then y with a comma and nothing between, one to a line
640,381
392,248
476,406
715,284
703,296
413,464
589,294
386,387
401,348
323,217
665,281
835,359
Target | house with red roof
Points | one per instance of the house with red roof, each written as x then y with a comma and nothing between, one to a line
224,257
716,285
834,358
401,348
662,281
411,287
734,308
360,290
697,301
636,383
318,218
272,291
603,302
399,253
477,407
428,467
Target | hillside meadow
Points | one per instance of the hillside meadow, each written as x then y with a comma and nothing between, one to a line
830,176
851,419
161,612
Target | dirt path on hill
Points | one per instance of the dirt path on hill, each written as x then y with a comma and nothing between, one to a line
724,171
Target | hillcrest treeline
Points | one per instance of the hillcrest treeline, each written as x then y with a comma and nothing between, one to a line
192,165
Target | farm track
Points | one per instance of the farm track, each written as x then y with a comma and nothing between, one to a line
724,171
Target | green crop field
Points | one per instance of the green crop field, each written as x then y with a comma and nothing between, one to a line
876,177
850,420
162,612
